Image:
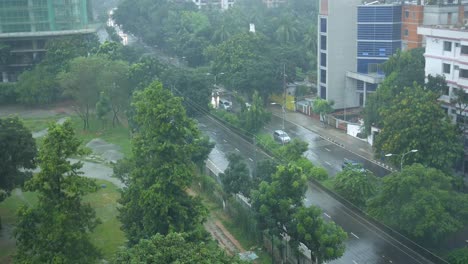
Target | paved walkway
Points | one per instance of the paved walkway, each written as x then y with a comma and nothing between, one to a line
334,135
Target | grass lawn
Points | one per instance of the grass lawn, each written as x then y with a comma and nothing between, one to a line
118,135
107,236
40,123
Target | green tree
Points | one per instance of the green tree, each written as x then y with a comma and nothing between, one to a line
103,108
458,256
293,150
37,86
415,120
324,239
256,117
164,145
58,228
322,107
82,83
265,169
287,29
190,84
113,80
421,203
356,185
236,177
174,248
276,202
62,50
18,152
403,69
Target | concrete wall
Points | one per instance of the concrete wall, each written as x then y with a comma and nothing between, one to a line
341,50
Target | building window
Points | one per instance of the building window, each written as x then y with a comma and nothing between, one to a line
323,59
323,76
463,73
446,90
464,50
447,46
446,68
323,25
406,13
406,32
323,92
323,42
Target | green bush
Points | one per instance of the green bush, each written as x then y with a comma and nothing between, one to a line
267,142
8,93
228,117
318,173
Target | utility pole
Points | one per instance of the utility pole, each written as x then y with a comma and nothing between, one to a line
284,92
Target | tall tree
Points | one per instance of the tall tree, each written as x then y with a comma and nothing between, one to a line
166,141
18,152
236,177
254,118
276,202
57,229
82,83
415,120
421,203
324,239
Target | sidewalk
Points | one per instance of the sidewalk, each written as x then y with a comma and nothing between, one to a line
336,136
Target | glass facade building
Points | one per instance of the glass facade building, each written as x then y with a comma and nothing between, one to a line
378,35
42,15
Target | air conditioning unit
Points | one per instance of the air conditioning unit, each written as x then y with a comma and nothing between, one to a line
456,67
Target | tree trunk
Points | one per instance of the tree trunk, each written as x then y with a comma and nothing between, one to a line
87,117
115,118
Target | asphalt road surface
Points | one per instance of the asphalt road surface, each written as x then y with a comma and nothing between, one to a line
366,243
322,152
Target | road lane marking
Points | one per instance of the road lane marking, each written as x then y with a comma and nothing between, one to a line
327,149
237,149
354,235
327,215
329,164
224,140
355,262
251,159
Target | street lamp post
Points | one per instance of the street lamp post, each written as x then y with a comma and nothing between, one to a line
215,76
283,110
402,156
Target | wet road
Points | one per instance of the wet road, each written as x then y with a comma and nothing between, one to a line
366,243
322,152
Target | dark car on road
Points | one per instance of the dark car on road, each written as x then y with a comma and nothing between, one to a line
352,164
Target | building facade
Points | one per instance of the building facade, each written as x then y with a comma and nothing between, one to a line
447,54
336,49
356,37
26,25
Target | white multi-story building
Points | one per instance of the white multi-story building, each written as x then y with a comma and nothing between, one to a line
221,4
447,54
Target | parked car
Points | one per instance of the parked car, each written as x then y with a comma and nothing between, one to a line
281,136
352,164
225,104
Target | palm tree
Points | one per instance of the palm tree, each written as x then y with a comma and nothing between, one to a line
287,30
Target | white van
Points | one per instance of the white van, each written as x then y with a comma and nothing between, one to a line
225,104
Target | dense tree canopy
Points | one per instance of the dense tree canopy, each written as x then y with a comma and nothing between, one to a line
236,177
164,146
324,239
420,202
58,228
356,185
174,248
415,120
18,151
